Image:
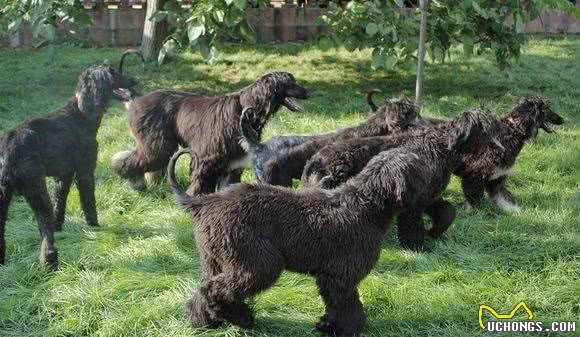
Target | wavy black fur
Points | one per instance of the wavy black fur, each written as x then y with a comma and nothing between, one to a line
61,145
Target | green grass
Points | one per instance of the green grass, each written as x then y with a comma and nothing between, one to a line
132,276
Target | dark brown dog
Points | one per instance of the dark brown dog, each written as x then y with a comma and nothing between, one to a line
489,168
393,116
162,120
247,235
441,147
62,145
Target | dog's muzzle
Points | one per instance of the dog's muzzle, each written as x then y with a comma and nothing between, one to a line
292,104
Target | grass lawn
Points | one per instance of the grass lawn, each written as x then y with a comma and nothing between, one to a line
133,275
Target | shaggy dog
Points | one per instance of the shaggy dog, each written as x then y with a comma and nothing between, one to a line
62,145
441,147
489,168
279,146
248,234
395,115
162,120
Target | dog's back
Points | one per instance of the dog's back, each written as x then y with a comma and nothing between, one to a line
47,145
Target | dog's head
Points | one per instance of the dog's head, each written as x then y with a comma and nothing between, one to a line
396,113
283,89
473,129
533,113
97,84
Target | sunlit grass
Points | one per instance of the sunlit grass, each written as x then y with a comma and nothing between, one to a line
132,276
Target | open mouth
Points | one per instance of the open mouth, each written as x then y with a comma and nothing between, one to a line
123,94
292,104
547,126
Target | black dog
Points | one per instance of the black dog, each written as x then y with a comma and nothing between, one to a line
162,120
62,145
247,235
279,146
395,115
441,147
489,168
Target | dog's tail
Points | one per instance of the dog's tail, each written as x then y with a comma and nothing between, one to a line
370,102
184,200
250,139
137,52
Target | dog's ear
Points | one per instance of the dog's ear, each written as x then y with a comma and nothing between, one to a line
474,127
93,90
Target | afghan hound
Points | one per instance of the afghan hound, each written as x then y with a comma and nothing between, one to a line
162,120
61,145
248,234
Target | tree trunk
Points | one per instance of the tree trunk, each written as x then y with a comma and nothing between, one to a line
154,33
424,4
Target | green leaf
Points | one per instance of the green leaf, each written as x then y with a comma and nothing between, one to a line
400,3
218,16
233,17
372,29
247,32
377,59
14,25
229,2
161,56
195,31
241,4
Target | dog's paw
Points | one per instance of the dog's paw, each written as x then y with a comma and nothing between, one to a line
325,327
138,184
241,315
49,260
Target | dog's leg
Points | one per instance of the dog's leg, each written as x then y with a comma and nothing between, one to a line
5,199
344,314
155,177
472,192
257,267
500,195
204,177
442,214
233,177
411,230
86,184
36,195
60,195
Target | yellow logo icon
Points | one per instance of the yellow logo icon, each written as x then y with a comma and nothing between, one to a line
511,315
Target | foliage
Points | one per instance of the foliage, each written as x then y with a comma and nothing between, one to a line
43,16
206,26
476,24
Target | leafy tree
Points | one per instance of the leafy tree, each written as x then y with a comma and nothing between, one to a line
206,26
43,16
476,24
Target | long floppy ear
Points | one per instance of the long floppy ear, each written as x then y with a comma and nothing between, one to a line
85,94
93,91
461,129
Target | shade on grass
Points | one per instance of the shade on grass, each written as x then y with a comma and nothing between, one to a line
132,276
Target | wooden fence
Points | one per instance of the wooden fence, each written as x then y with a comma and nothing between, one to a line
120,23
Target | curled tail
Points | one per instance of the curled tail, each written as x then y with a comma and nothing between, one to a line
137,52
250,139
183,199
370,102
